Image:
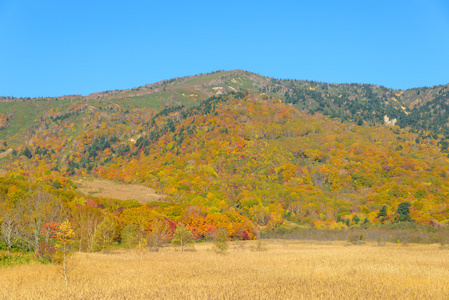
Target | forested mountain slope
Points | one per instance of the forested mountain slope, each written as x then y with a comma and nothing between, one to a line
243,156
425,110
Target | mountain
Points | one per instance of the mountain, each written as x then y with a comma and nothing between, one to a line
237,150
425,110
223,146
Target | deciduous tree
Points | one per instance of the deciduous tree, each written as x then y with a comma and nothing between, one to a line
129,236
182,237
65,236
35,211
160,233
10,229
104,234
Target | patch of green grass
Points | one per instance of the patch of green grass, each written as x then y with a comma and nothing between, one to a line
25,113
241,82
16,259
202,79
146,101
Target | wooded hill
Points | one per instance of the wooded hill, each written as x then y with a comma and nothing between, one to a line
239,159
423,109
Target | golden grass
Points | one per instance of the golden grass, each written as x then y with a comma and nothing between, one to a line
288,270
110,189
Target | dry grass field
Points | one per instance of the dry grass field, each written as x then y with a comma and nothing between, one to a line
287,270
110,189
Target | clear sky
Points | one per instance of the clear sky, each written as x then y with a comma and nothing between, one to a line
61,47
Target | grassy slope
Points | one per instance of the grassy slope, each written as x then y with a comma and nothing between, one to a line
27,112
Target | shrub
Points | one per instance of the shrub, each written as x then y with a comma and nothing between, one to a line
11,260
221,241
46,251
356,239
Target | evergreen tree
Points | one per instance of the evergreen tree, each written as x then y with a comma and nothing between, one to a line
27,152
383,212
404,212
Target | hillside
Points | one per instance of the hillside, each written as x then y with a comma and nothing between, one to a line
425,110
242,156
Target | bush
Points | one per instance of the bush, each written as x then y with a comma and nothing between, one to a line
14,260
11,260
415,239
356,239
221,241
46,251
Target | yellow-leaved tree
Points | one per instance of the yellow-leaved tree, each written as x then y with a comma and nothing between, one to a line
65,236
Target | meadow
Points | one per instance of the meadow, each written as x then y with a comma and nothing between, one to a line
286,270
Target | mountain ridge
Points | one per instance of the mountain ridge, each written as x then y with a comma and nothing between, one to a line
161,82
423,109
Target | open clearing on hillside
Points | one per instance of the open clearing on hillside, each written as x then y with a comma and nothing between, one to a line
287,270
110,189
5,153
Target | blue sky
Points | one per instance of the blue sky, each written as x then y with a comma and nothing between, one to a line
54,48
